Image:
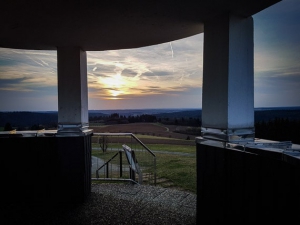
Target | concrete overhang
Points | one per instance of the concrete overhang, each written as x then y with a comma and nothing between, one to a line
110,24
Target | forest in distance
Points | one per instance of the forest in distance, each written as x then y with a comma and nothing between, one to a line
281,124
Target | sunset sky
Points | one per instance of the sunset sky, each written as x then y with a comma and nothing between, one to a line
168,75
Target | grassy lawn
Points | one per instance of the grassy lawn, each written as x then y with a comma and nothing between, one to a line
173,148
177,172
173,171
151,137
156,147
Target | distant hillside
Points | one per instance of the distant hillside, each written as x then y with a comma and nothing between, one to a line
137,112
26,119
260,114
196,113
267,114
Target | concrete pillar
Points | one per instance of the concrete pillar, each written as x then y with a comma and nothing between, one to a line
228,79
72,90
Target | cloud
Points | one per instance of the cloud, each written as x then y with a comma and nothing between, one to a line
278,88
28,78
135,72
166,69
277,35
38,68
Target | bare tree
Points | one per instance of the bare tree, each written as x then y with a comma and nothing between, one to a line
103,142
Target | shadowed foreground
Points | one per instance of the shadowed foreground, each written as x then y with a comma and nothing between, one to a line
111,204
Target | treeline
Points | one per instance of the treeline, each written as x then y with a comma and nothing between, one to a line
192,122
279,129
116,118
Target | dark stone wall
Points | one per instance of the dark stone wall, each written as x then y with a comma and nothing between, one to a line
45,169
242,187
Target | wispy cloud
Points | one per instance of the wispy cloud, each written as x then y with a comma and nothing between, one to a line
14,64
28,78
278,87
133,72
172,50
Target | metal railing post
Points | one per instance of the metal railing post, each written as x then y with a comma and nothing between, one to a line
154,171
107,168
121,165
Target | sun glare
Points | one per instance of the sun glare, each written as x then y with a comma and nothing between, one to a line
115,81
115,93
116,85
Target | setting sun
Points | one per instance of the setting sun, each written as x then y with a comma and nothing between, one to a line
115,81
115,85
115,93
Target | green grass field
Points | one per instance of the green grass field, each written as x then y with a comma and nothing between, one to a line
173,171
177,172
173,148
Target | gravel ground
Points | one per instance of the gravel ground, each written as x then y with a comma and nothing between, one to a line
111,204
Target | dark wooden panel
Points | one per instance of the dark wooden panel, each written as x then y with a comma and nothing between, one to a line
244,187
46,169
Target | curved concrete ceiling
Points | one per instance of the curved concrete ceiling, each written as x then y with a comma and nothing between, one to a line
96,25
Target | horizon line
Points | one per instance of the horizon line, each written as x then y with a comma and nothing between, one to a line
184,108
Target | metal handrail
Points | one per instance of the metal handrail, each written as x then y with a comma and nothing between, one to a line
138,141
97,171
127,134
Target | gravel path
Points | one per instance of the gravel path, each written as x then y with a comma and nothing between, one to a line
111,203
